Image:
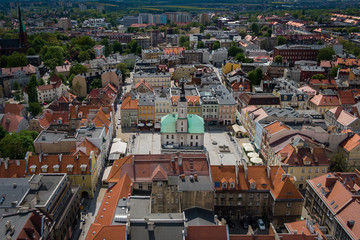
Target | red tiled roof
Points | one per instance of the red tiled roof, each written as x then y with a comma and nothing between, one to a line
15,169
129,104
173,50
189,99
144,165
350,213
276,127
325,100
10,122
351,143
217,232
49,117
145,83
13,108
108,206
110,232
66,160
301,227
29,70
349,61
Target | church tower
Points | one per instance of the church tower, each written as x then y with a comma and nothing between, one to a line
24,45
181,122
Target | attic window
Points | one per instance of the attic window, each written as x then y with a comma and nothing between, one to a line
44,168
83,167
224,185
56,168
33,168
253,186
232,185
336,206
318,185
332,203
70,167
217,184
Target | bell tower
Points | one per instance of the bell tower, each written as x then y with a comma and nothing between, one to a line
181,122
24,45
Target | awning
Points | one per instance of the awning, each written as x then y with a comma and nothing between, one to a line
141,125
149,124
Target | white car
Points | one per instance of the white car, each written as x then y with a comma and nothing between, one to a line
261,224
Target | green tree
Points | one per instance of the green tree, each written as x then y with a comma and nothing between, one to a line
216,45
200,44
16,145
234,50
77,69
117,47
16,60
338,163
31,89
318,76
254,28
96,83
334,71
84,56
325,54
3,132
187,45
182,40
124,70
31,51
3,61
208,36
35,108
278,59
53,56
41,81
255,76
281,40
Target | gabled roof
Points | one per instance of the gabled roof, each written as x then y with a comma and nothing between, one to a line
115,172
10,122
159,174
144,83
342,116
13,108
129,104
15,169
121,189
351,143
325,100
276,127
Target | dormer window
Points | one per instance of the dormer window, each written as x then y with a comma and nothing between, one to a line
83,167
224,185
44,168
253,186
59,121
33,168
70,167
232,185
80,115
56,168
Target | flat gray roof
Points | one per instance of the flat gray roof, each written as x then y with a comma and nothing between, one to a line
12,190
18,220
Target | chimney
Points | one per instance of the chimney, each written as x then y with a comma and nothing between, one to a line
237,174
6,163
330,181
18,163
195,177
351,223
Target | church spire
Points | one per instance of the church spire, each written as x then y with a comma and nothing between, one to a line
21,22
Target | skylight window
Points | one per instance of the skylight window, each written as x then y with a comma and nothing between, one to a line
336,206
318,185
332,203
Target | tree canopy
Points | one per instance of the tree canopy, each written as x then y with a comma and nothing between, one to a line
15,145
216,45
325,54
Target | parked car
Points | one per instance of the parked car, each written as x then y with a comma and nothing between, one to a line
261,224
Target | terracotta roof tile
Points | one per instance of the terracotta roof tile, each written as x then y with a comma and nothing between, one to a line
325,100
217,232
129,104
110,232
108,206
10,122
276,127
350,214
13,108
15,169
351,143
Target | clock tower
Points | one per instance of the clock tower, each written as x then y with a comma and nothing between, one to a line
182,122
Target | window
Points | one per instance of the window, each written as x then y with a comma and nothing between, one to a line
257,203
291,170
251,196
310,170
167,136
140,186
224,185
302,178
191,137
288,204
323,170
303,170
316,170
308,177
